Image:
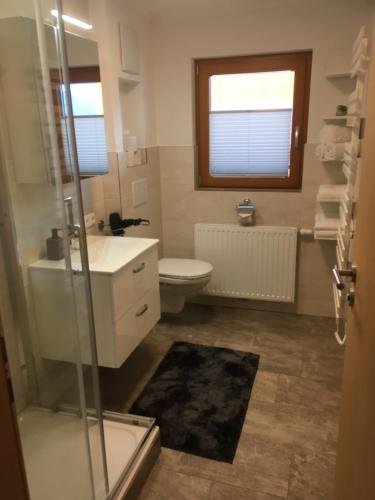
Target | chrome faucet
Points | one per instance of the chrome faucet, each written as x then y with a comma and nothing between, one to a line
73,229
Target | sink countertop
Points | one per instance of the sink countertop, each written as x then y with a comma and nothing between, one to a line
107,254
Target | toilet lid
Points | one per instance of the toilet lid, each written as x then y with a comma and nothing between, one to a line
184,268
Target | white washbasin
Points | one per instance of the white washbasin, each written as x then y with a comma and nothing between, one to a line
107,254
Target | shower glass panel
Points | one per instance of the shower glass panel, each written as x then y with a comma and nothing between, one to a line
58,403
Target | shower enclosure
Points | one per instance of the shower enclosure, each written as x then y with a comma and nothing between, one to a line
71,448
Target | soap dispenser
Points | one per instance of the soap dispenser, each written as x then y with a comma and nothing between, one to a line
55,246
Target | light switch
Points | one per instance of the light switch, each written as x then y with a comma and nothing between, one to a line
139,192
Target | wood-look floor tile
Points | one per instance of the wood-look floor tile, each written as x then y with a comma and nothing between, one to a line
282,359
265,387
298,340
164,484
274,360
312,477
221,491
288,441
308,393
292,427
266,470
324,366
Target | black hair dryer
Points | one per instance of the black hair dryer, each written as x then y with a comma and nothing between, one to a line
118,224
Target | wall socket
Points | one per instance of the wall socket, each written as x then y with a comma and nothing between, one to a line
90,220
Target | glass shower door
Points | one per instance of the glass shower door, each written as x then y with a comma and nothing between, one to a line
51,320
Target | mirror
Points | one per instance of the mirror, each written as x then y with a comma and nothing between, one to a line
87,103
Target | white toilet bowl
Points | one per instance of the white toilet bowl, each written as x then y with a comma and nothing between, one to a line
179,278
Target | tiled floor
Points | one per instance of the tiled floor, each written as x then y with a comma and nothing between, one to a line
287,446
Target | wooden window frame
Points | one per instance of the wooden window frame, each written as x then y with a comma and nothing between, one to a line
300,63
77,74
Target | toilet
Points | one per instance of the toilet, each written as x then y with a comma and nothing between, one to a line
179,278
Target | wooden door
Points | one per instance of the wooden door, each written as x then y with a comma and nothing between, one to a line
355,469
12,474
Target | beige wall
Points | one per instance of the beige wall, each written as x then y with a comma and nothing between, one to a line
150,210
177,40
182,207
126,106
116,194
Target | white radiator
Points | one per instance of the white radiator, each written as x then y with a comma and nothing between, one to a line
249,262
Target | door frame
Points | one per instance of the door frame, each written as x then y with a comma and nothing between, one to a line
13,482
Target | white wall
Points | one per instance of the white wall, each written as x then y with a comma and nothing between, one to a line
284,26
177,42
106,16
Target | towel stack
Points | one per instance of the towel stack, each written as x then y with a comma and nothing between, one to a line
332,142
326,226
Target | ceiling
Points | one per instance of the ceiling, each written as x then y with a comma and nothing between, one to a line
204,7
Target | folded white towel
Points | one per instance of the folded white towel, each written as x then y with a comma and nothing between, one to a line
320,150
325,234
334,151
324,223
334,133
329,193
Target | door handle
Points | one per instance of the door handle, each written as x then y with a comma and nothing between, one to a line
297,131
350,296
339,273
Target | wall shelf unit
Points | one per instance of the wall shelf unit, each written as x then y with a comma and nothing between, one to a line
335,118
338,74
331,194
336,203
349,120
332,162
129,78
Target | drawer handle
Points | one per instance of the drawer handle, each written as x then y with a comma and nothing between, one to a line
142,310
139,268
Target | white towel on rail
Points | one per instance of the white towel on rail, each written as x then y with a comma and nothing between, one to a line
324,233
324,223
334,151
334,133
320,150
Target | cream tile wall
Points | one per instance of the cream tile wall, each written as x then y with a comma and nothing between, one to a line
183,206
150,210
113,193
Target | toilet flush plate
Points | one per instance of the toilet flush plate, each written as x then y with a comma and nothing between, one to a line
139,192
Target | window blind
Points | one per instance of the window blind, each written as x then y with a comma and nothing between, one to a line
250,143
91,145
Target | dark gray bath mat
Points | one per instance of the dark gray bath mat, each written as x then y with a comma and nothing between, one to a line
199,396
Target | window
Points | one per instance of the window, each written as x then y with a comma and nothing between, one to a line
88,116
87,104
251,120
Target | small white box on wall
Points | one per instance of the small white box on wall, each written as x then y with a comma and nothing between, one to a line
139,192
129,50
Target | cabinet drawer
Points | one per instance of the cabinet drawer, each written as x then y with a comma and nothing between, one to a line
145,273
136,279
133,327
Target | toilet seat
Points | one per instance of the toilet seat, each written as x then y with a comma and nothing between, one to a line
184,269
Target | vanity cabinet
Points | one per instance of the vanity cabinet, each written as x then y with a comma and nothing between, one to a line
126,301
126,307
